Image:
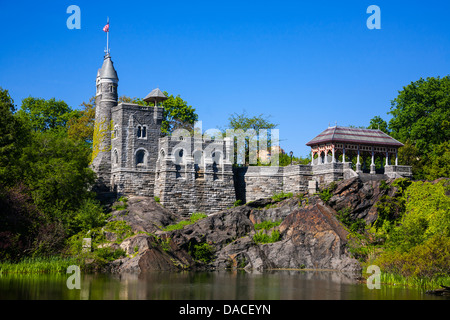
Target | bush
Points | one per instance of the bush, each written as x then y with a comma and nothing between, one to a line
262,237
203,252
325,195
430,259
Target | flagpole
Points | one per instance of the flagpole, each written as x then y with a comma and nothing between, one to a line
107,37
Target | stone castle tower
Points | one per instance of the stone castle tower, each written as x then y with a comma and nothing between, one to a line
105,99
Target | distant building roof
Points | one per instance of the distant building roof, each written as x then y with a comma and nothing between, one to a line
107,71
354,136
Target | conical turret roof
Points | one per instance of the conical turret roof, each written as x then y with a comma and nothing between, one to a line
107,71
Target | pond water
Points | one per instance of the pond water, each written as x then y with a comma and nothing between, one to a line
224,285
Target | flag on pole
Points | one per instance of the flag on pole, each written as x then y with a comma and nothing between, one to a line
106,28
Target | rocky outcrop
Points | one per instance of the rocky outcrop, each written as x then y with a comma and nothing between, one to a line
359,197
144,214
310,236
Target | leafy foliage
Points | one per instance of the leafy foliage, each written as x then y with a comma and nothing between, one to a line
263,237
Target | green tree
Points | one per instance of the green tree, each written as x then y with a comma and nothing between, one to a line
421,113
81,125
42,115
242,121
378,123
439,162
13,137
421,120
55,168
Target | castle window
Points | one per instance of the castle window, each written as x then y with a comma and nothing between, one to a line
116,157
140,157
142,132
177,172
139,131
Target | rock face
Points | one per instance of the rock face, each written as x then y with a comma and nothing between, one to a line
145,214
310,236
359,198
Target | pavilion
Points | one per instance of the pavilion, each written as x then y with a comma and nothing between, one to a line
338,144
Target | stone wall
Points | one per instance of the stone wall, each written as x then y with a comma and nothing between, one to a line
194,176
255,182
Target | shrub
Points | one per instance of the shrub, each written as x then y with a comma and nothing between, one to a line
325,195
203,252
262,237
157,199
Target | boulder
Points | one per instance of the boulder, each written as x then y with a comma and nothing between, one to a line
145,214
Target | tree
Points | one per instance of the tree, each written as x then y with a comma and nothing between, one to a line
421,113
248,128
421,120
55,168
378,123
81,126
42,115
13,137
439,162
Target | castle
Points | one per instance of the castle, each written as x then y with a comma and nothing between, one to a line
196,174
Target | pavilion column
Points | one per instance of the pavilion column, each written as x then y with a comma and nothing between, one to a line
326,156
396,157
312,158
343,154
372,165
333,159
358,164
387,158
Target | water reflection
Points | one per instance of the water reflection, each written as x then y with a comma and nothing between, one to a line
232,285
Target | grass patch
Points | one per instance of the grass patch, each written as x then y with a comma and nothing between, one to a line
180,225
266,225
281,196
53,264
121,206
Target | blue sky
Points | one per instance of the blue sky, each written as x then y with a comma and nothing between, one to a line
304,63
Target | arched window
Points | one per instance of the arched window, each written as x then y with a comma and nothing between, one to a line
140,157
116,157
139,131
